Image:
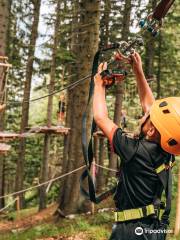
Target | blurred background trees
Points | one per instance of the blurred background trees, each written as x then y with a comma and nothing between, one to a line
51,44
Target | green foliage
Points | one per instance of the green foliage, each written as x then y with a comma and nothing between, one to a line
95,227
111,182
53,193
44,230
11,216
102,218
111,25
95,230
82,225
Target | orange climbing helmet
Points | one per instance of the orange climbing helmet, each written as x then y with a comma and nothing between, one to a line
165,116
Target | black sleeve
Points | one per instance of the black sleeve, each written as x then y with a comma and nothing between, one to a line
124,146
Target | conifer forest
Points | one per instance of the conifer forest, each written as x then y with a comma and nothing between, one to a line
47,50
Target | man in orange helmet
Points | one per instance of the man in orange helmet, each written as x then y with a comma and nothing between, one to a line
145,162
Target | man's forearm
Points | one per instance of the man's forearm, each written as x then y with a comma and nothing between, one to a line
100,111
145,92
99,103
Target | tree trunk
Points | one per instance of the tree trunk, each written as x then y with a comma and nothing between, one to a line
44,172
150,49
66,148
44,165
2,179
159,67
119,87
100,175
4,21
149,58
105,23
84,50
26,97
4,24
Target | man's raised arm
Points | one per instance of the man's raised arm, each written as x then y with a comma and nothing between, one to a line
99,105
145,92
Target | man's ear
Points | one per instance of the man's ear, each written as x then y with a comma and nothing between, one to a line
151,131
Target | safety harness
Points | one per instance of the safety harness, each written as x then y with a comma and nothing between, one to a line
164,174
151,24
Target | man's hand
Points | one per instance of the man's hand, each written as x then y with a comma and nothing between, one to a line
98,81
136,63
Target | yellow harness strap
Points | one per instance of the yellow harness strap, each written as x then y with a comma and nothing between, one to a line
164,167
160,168
132,214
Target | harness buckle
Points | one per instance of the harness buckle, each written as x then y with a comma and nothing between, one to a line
144,210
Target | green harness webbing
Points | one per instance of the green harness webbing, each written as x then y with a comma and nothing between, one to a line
136,213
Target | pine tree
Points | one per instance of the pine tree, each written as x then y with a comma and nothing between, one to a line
44,167
84,46
4,24
27,88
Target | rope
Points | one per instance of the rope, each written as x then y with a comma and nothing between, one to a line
41,184
9,204
113,170
100,166
51,180
70,86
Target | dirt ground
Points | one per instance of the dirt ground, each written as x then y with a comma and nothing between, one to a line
28,222
34,219
79,236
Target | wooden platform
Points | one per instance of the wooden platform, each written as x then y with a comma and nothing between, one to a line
3,58
7,136
5,65
45,129
4,148
4,62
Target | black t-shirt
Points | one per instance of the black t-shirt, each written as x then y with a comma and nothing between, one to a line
138,180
